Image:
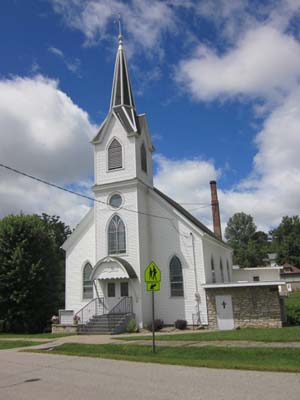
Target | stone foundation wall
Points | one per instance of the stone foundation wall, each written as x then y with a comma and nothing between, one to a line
57,328
253,307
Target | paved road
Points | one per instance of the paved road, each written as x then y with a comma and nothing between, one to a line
63,378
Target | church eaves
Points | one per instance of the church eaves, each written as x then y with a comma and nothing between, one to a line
122,104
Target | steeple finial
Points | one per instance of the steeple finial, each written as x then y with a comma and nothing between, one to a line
120,37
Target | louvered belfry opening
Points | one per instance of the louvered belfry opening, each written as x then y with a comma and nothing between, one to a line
115,155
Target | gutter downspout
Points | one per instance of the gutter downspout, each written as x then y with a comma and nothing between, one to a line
197,294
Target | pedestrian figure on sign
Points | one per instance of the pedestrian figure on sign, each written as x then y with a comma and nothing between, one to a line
154,273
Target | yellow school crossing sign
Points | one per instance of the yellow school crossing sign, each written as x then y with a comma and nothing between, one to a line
152,277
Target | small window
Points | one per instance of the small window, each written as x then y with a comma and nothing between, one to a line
116,236
213,272
222,271
114,155
124,289
176,278
87,283
256,279
143,158
115,201
111,289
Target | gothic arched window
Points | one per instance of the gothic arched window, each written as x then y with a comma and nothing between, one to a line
213,272
143,158
176,277
222,271
228,271
87,284
116,236
115,155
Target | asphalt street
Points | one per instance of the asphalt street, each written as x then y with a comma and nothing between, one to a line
25,376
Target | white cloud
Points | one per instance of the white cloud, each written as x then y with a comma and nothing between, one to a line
270,192
264,63
44,134
144,21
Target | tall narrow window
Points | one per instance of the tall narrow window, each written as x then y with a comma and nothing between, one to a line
228,271
114,155
143,158
116,236
176,278
213,272
222,271
87,285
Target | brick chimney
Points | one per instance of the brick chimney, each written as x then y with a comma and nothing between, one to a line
215,209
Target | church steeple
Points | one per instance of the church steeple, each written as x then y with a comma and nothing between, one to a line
122,103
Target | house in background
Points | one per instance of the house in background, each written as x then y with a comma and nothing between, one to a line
291,275
133,223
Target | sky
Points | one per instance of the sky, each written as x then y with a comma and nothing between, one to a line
219,81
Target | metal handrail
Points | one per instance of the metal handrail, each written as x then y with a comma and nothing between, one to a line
123,307
94,307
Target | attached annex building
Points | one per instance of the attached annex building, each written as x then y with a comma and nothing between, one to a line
133,223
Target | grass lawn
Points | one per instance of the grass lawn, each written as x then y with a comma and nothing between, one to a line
288,334
11,344
262,359
34,335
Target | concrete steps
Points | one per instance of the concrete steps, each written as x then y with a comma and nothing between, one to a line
105,324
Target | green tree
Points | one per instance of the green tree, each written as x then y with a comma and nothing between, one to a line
286,241
61,232
250,247
30,272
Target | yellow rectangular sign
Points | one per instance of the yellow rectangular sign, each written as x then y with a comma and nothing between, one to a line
153,286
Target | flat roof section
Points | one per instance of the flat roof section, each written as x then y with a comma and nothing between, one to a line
242,284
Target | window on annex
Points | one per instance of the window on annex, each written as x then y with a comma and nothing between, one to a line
87,286
222,271
213,272
115,155
116,236
176,277
143,158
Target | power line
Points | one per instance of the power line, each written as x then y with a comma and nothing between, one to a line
76,193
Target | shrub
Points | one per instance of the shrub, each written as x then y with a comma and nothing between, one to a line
293,309
158,325
132,326
180,324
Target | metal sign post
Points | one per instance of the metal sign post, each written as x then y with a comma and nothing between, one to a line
153,327
152,279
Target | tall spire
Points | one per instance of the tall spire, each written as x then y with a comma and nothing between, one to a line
122,103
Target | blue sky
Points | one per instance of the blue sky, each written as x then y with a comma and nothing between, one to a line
219,82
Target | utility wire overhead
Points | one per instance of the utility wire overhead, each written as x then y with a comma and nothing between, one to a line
83,195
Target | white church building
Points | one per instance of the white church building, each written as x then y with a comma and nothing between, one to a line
131,224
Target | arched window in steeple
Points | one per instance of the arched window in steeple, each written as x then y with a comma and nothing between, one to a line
176,277
143,158
116,236
87,284
213,271
115,155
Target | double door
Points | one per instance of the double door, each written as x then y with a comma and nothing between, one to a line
115,291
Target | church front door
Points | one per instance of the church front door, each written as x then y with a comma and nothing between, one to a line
115,291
